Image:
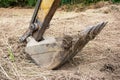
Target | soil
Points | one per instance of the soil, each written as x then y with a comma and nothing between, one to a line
99,60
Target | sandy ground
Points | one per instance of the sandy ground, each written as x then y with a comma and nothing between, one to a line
99,60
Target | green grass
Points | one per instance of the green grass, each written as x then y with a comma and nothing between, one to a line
31,3
11,55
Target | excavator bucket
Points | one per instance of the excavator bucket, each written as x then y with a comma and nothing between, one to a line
49,52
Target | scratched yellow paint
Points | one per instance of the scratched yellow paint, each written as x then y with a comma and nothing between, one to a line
44,9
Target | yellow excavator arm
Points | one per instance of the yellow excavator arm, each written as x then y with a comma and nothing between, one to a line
42,16
44,9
